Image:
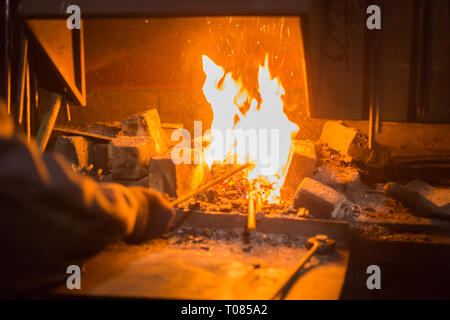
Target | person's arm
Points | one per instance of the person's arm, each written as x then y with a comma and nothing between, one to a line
51,217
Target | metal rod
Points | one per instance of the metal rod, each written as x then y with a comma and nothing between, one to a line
34,94
373,85
21,76
253,207
380,79
28,115
71,131
376,91
251,220
209,185
67,111
5,5
48,122
284,290
8,87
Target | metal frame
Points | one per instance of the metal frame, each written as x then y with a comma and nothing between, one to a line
76,87
142,8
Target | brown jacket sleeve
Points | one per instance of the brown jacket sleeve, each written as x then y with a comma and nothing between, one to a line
51,217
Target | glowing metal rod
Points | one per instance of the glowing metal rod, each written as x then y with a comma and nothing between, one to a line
209,185
251,220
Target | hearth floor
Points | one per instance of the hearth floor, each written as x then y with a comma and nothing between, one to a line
212,264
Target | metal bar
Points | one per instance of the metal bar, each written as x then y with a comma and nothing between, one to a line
81,133
48,122
250,224
377,84
415,62
70,65
34,92
251,220
426,62
371,115
371,88
209,185
284,224
27,85
380,81
139,8
281,294
5,27
8,84
377,126
21,76
66,109
78,35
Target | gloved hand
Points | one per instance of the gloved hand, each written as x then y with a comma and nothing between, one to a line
155,216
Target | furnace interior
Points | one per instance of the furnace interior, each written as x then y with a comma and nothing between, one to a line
136,64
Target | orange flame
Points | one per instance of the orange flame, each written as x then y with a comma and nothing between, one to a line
231,127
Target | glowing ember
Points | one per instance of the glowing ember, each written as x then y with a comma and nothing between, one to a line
261,134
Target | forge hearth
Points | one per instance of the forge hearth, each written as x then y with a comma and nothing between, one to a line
329,189
211,262
321,182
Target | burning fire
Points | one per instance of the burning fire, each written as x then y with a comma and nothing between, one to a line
244,130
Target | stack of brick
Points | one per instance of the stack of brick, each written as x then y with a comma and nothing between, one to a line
344,179
147,125
421,198
332,190
176,179
75,149
138,156
302,162
318,198
129,154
